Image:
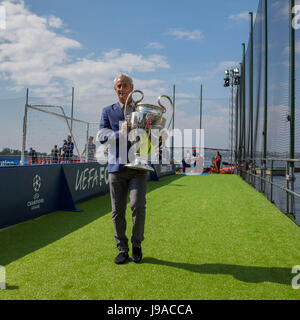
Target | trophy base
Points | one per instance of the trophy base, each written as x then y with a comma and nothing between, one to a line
138,165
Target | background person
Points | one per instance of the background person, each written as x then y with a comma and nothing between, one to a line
218,161
194,154
32,155
123,180
90,148
186,161
67,148
54,154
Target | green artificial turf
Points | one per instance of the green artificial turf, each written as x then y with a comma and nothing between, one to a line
206,237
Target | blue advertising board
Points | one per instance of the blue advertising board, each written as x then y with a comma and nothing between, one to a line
30,191
86,180
162,170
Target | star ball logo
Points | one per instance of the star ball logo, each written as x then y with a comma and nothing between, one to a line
2,18
37,182
37,201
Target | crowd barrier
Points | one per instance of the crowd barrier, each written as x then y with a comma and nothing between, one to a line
28,192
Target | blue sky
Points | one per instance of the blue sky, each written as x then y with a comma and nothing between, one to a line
50,46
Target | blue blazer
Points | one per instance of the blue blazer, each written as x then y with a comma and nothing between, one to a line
110,133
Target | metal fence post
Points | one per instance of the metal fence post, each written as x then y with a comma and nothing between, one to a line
266,87
200,124
173,125
22,162
271,181
236,127
251,86
244,102
87,142
287,186
292,97
240,118
253,173
292,198
249,172
263,174
72,110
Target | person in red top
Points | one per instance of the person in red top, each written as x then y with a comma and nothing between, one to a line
218,160
194,154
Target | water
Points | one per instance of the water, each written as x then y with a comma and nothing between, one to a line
280,196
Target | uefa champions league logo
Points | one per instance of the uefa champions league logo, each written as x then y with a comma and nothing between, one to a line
37,182
37,201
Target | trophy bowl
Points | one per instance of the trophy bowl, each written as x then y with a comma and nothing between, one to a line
146,117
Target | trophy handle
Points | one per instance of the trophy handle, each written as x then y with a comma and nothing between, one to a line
130,95
164,108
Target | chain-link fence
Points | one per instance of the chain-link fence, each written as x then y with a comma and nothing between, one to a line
268,134
49,122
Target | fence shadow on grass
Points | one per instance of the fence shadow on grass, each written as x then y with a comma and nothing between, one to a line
248,274
24,238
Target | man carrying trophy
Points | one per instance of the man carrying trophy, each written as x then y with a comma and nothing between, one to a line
123,180
128,159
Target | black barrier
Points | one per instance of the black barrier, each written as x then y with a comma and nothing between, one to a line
86,180
28,192
162,170
31,191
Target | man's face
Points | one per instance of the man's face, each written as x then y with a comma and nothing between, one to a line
69,138
123,87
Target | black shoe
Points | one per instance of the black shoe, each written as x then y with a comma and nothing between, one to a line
121,257
136,254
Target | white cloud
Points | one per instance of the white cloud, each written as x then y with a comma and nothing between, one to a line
185,96
2,17
28,49
242,16
155,45
112,54
216,70
195,79
223,65
194,35
55,22
34,54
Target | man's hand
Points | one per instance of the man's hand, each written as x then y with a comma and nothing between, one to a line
125,128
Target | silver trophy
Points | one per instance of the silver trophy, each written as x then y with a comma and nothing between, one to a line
146,117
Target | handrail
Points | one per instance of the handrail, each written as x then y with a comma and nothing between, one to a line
273,159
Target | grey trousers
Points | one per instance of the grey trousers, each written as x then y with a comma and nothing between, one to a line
120,183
